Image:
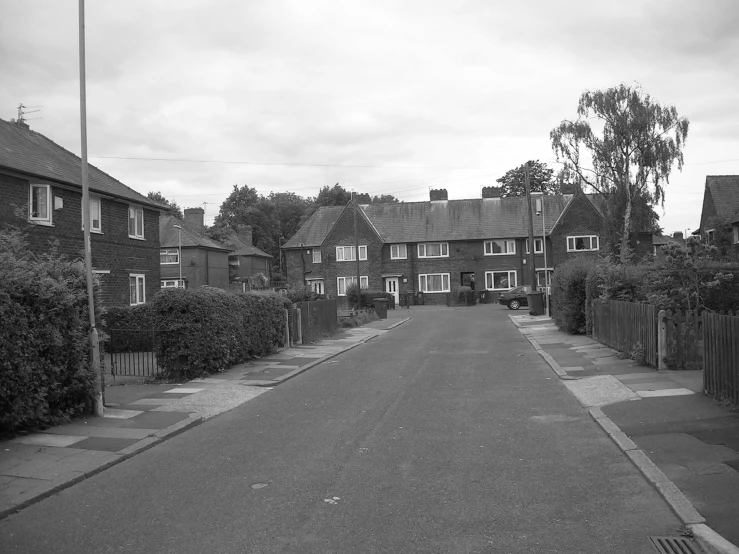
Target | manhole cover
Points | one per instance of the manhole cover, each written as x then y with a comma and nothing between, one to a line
674,545
258,486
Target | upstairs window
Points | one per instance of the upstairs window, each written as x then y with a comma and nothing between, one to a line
499,247
316,256
583,243
169,256
39,204
135,222
433,250
95,215
398,252
538,249
736,234
347,253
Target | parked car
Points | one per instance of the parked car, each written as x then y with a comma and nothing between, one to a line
515,298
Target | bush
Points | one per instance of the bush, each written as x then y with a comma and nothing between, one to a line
217,329
367,297
569,294
304,294
459,295
45,373
138,317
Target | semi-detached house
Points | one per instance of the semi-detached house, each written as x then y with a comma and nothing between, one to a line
41,191
433,246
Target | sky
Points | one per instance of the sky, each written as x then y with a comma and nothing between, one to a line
192,97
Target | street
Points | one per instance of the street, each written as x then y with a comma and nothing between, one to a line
446,434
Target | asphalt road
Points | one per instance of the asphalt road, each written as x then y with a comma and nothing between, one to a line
447,434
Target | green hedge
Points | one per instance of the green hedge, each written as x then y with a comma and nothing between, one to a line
367,297
216,329
45,372
569,294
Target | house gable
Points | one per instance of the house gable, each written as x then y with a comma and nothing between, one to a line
579,219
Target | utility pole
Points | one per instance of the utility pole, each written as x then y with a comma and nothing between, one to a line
97,398
356,254
532,266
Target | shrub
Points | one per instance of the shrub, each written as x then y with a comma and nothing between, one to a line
304,294
367,297
569,294
45,373
128,317
217,329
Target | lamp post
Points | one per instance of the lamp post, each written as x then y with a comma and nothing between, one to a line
540,211
179,253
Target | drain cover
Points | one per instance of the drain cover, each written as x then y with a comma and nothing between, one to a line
674,545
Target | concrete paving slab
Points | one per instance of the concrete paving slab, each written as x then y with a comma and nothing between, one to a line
150,401
636,376
649,385
117,413
665,392
93,431
600,391
48,439
183,390
105,444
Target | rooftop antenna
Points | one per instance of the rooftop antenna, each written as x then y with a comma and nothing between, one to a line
23,110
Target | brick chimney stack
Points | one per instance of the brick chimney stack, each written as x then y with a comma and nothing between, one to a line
491,192
678,235
438,194
195,219
244,232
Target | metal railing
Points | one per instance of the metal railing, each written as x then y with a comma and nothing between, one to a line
141,352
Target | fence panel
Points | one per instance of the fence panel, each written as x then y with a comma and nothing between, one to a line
721,356
684,345
141,352
319,318
625,325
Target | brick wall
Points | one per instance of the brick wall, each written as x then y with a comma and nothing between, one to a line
580,218
112,250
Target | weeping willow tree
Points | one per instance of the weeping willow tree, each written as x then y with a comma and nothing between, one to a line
622,142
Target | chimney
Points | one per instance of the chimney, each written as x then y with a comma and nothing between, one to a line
195,219
362,198
244,232
491,192
438,194
678,235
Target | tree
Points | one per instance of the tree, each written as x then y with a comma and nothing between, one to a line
333,196
632,146
385,199
289,210
540,178
172,205
245,206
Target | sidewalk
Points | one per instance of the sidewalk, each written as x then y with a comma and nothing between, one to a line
140,416
685,444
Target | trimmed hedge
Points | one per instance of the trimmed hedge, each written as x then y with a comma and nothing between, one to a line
367,297
46,376
569,294
216,329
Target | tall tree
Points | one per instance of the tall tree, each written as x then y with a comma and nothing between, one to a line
384,199
333,196
632,143
172,205
245,206
540,177
289,210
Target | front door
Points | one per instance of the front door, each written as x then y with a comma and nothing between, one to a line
391,286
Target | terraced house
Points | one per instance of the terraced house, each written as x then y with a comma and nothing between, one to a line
431,247
41,191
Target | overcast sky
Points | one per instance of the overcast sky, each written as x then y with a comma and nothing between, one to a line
382,97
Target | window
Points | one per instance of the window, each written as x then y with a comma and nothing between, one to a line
173,284
398,252
540,278
135,222
498,247
39,204
343,282
316,285
137,288
434,282
316,256
346,253
736,234
169,256
95,215
500,280
433,250
710,235
582,244
537,246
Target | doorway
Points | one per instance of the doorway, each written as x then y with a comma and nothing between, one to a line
391,286
468,279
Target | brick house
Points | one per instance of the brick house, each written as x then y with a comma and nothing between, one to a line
432,247
204,260
720,208
246,260
41,188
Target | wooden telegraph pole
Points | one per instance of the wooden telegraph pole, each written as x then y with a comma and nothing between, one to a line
532,265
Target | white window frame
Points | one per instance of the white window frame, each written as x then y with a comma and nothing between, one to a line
169,252
506,244
735,228
45,219
176,283
344,282
443,249
133,212
491,275
138,295
423,281
537,242
395,251
316,255
317,285
94,201
343,251
572,243
539,272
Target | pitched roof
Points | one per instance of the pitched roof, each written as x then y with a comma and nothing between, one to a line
475,219
170,236
29,152
242,248
725,193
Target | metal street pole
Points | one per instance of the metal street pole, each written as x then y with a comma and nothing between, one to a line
97,394
356,254
179,252
532,268
544,246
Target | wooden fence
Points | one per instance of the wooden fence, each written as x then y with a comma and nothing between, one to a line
626,326
721,356
317,319
683,339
